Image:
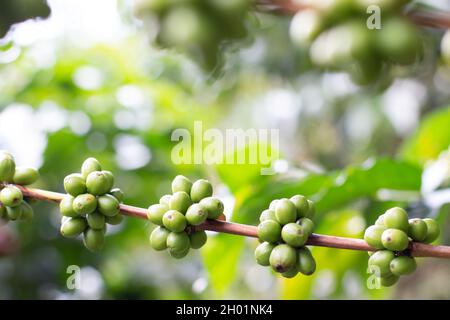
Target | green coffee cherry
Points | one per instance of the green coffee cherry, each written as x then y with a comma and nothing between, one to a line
417,229
285,211
94,239
294,235
433,230
178,254
73,227
301,203
389,280
396,218
201,189
158,238
7,167
25,175
178,241
98,183
305,262
75,184
84,204
380,261
312,209
180,201
282,258
90,165
273,204
155,213
165,200
403,265
372,236
96,220
270,231
114,220
117,193
66,206
213,206
380,221
198,239
262,253
394,239
14,213
110,178
108,205
291,272
11,196
26,211
181,183
196,214
174,221
267,215
307,225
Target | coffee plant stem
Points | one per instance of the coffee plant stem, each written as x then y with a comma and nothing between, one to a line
416,249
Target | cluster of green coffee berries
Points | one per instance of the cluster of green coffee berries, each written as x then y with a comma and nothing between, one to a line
12,203
190,204
284,229
91,204
199,28
391,235
342,35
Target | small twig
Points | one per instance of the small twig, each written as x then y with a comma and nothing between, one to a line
416,249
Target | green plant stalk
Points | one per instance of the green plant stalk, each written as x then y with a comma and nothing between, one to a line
415,249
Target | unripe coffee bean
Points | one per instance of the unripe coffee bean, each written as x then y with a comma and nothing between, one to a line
270,231
282,258
267,215
180,201
379,262
198,239
11,196
26,211
114,220
117,193
294,235
96,220
98,183
291,272
14,213
394,240
380,221
178,241
389,280
201,189
433,230
84,204
181,183
307,224
7,166
285,212
72,227
403,265
306,264
110,178
372,236
90,165
165,200
66,206
108,205
75,184
301,203
396,218
94,239
174,221
25,175
417,229
158,238
178,254
262,253
155,213
273,204
213,206
196,214
311,210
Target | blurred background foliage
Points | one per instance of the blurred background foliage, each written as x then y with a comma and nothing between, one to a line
81,84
